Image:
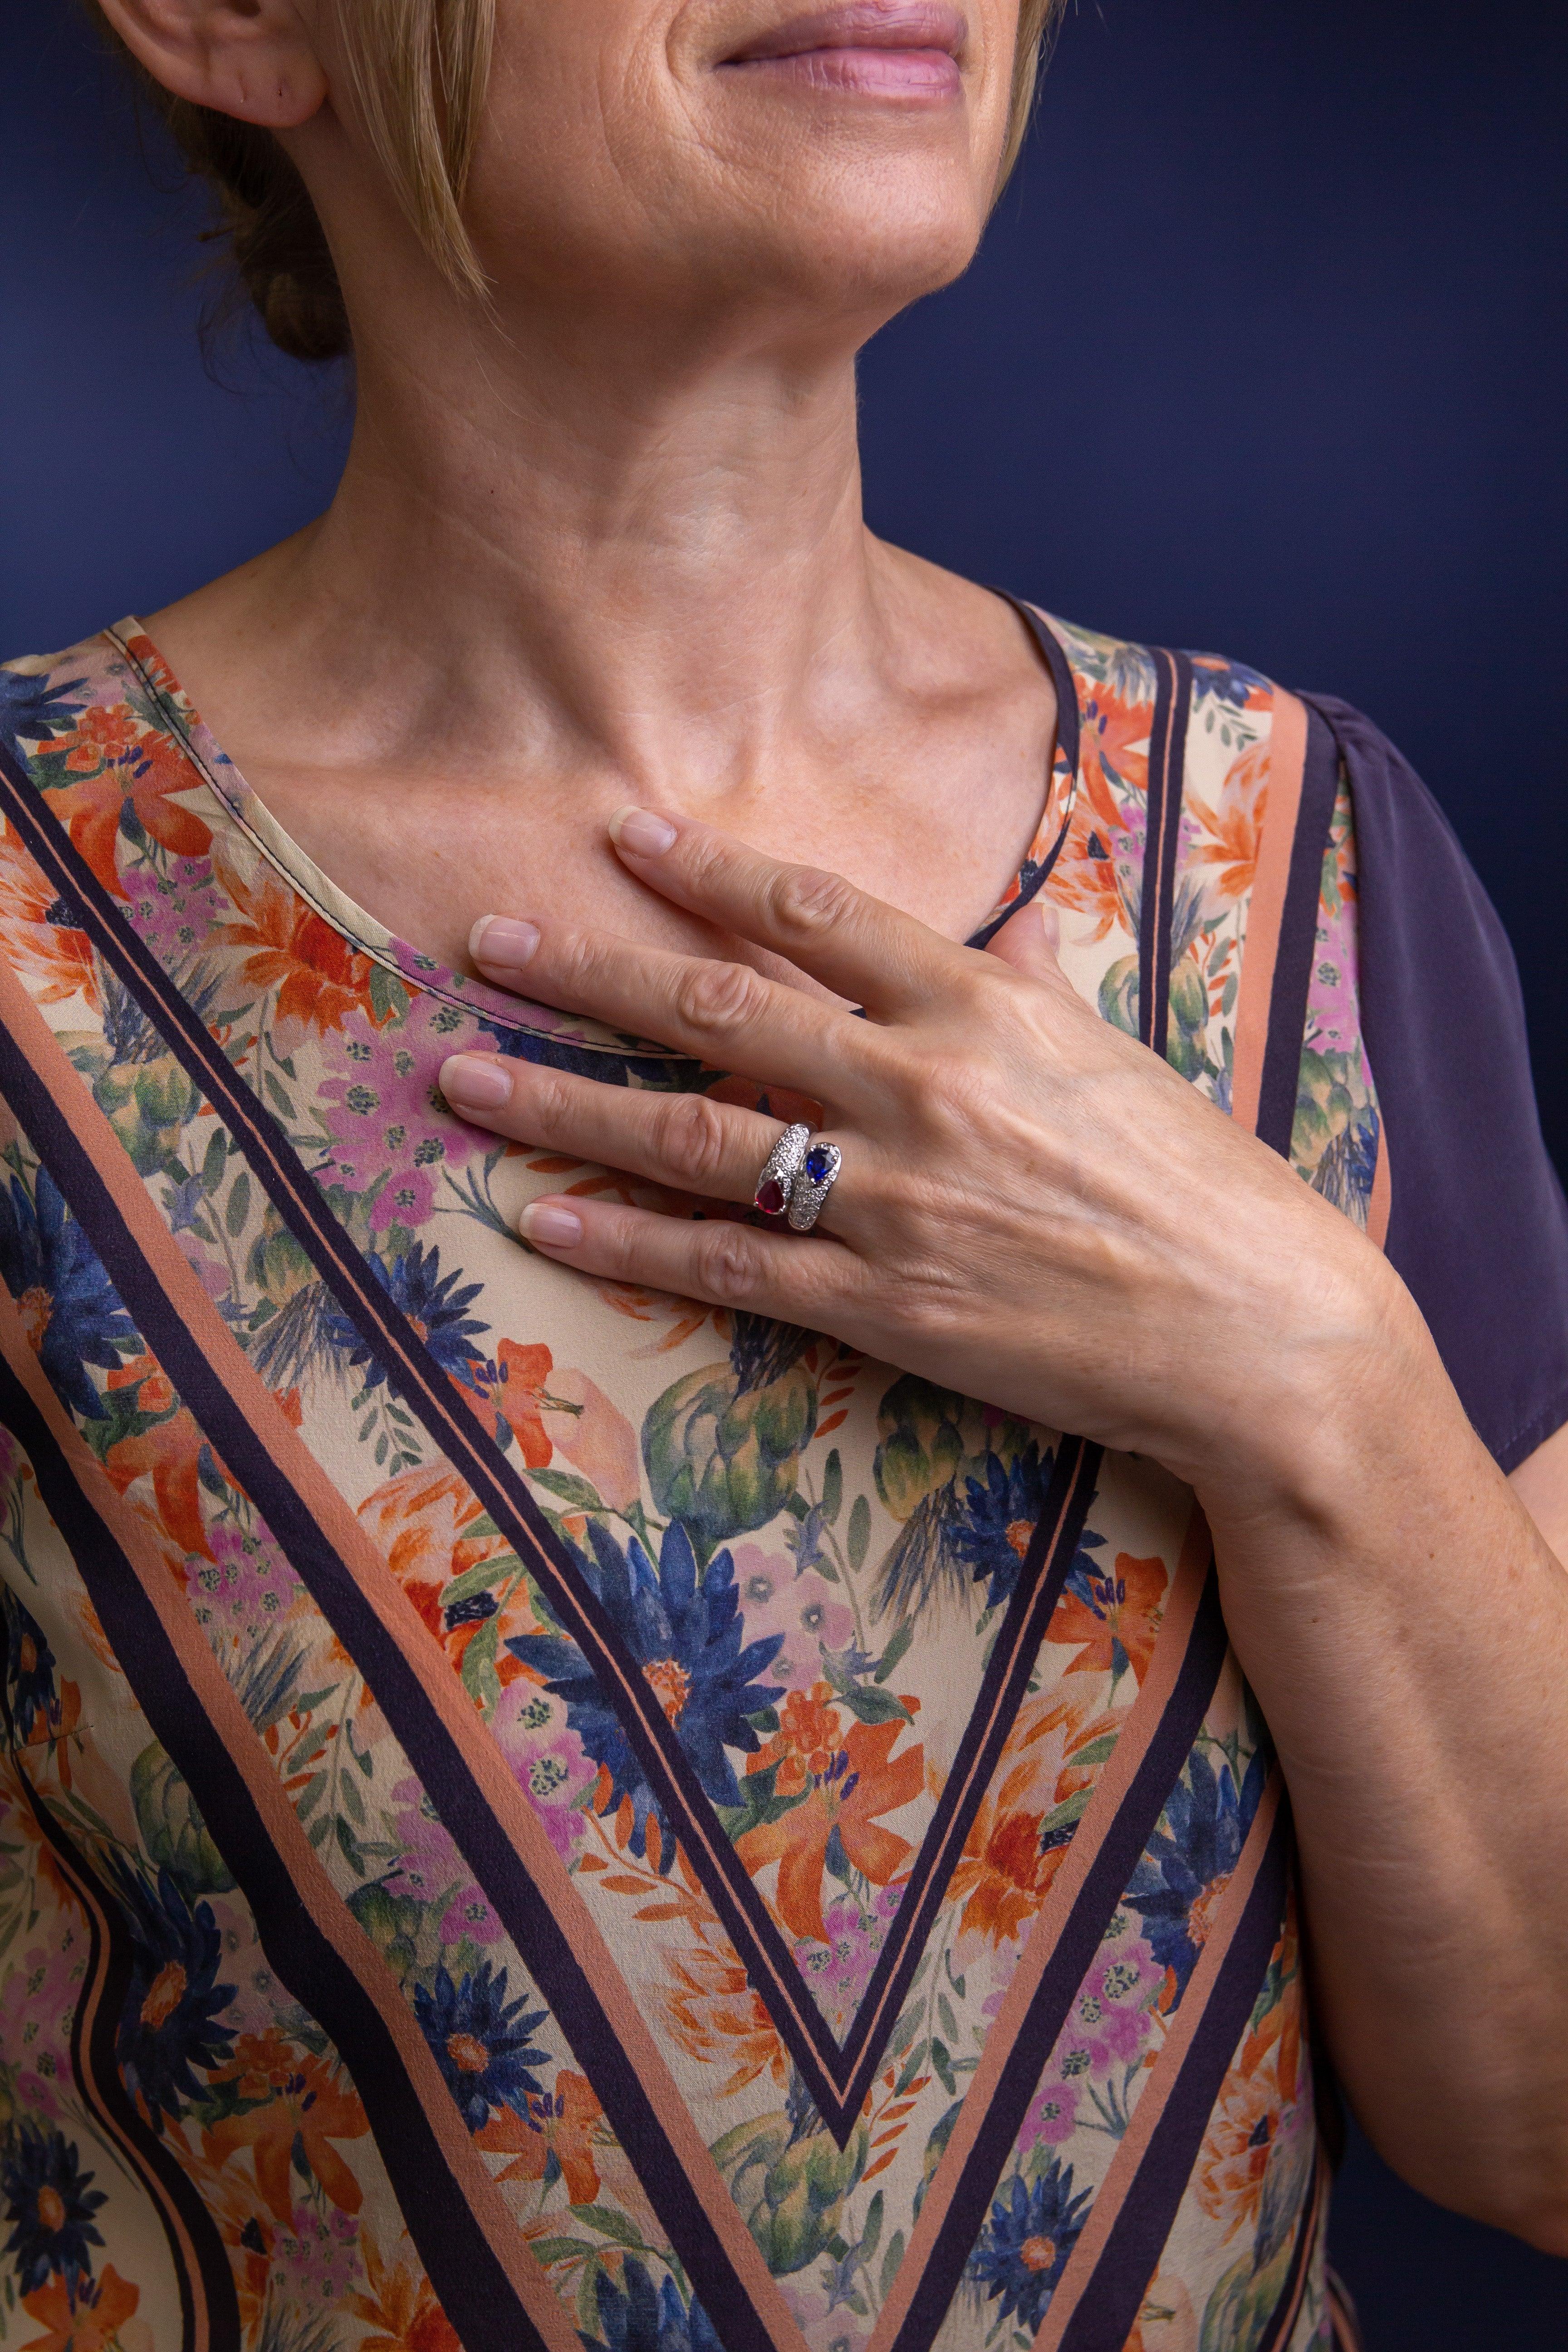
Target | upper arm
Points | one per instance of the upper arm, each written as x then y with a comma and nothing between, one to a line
1477,1226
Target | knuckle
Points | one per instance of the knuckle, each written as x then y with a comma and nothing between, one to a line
549,1103
805,901
727,1264
690,1136
716,999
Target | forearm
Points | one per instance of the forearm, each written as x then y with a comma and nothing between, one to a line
1405,1628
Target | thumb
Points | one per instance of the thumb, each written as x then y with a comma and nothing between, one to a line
1028,941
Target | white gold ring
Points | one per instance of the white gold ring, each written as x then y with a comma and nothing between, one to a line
775,1185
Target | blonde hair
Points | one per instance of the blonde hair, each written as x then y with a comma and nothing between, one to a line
418,71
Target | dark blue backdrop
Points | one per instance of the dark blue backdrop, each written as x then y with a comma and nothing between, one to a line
1266,351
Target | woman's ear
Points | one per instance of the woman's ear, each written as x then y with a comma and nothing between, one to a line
251,58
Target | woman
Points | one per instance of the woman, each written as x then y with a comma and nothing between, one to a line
722,1777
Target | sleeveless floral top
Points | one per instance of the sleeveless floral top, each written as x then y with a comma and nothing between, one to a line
534,1813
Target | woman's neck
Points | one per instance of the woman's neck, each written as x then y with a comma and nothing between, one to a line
552,582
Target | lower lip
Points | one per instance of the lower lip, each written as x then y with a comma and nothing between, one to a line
869,73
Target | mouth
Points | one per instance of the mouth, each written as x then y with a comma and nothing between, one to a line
875,48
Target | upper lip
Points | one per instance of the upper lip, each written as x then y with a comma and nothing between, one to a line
862,25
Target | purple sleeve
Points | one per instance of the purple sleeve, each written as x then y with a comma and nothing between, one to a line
1479,1227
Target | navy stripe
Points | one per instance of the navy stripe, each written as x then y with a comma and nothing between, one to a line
1298,938
1109,2306
1167,776
100,2084
474,2290
1120,1853
836,2076
545,1947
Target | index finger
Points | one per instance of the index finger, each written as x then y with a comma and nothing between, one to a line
856,945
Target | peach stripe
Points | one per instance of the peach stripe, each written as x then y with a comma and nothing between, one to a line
220,1703
1131,2150
1379,1206
1271,878
168,2211
1110,1792
294,1461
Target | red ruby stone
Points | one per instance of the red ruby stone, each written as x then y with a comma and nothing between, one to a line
771,1198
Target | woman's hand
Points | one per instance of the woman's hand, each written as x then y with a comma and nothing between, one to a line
1033,1209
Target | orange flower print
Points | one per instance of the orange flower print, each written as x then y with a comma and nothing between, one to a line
401,2309
170,1448
1009,1859
1235,828
1114,1618
115,763
596,1436
312,2105
1241,2134
432,1529
523,1373
862,1780
91,2323
714,2014
319,977
39,939
809,1731
564,2125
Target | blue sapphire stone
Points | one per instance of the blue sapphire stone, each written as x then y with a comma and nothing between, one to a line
819,1165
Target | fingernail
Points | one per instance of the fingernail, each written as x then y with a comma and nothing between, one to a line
475,1081
549,1226
502,939
641,833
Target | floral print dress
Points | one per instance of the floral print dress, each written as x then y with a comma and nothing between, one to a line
533,1812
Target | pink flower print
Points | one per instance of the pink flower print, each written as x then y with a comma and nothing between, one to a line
432,1871
384,1118
316,2263
174,911
806,1610
1112,2018
38,2008
840,1969
548,1760
242,1592
1051,2116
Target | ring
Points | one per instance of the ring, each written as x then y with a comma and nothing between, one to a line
780,1168
815,1179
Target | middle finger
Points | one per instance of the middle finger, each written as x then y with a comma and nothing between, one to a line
726,1015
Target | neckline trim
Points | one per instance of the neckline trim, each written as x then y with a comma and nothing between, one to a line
519,1016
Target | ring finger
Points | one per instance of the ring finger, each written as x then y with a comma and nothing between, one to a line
691,1144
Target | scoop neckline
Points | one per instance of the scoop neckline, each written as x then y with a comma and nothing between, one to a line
426,974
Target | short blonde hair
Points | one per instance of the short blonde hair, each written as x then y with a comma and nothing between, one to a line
418,71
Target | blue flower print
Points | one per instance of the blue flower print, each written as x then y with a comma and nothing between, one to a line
1190,1857
685,1634
69,1307
1025,2246
480,2040
637,2316
29,1668
997,1518
169,2022
435,1308
50,2209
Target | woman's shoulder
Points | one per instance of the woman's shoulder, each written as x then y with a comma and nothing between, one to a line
1256,881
